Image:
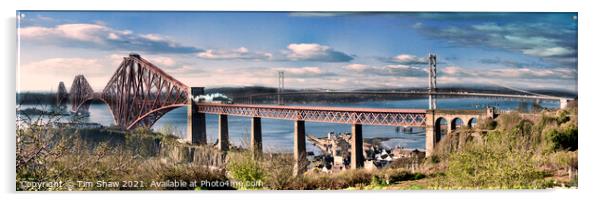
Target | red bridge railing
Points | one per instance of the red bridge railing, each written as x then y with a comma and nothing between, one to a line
343,115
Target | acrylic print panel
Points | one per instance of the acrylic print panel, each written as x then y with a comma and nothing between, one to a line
145,100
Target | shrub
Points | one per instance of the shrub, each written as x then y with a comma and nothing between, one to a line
243,168
452,142
345,179
46,153
280,167
506,122
562,116
564,159
563,138
487,124
397,175
378,181
497,163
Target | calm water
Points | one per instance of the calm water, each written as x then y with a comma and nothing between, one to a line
278,134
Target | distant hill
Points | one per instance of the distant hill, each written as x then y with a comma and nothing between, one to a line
233,92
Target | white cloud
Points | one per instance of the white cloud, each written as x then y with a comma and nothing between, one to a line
294,52
162,61
315,52
356,67
409,59
510,73
551,41
116,59
549,52
387,70
454,71
241,53
299,71
529,40
101,37
33,32
153,37
405,70
65,66
45,74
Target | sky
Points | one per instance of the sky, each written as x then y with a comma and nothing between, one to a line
341,51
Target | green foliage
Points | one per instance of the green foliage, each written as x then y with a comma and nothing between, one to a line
434,159
564,159
242,167
398,175
452,142
523,128
377,181
562,116
416,187
563,138
507,122
513,155
487,167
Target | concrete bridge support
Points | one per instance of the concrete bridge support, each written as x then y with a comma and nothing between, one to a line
256,145
299,151
196,128
357,147
431,140
564,103
223,142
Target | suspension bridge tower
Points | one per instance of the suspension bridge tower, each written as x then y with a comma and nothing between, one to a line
280,87
432,61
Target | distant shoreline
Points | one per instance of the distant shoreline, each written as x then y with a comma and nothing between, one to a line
41,97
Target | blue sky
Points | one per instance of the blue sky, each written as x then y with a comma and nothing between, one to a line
315,50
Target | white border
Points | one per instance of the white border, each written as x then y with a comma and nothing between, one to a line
589,70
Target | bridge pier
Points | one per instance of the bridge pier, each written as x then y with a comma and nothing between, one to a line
223,142
196,131
299,151
256,145
357,147
564,103
431,140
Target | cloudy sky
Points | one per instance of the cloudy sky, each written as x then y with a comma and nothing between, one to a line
315,50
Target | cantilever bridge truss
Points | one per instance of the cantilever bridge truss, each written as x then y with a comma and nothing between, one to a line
137,94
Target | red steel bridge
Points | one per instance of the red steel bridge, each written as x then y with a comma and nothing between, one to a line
342,115
139,93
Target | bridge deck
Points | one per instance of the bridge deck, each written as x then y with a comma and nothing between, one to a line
344,115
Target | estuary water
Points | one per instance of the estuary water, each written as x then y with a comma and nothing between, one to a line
278,134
